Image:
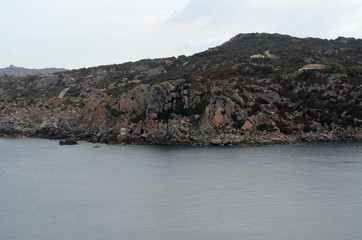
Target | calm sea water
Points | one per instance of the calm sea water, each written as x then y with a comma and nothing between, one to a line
100,192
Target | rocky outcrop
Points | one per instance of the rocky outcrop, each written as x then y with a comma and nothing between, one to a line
253,122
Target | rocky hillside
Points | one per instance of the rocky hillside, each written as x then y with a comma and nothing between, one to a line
221,96
20,71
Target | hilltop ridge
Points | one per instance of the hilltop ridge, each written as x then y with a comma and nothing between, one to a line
253,89
20,71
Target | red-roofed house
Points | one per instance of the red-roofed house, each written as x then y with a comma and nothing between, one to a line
312,67
43,76
88,77
135,81
138,77
168,61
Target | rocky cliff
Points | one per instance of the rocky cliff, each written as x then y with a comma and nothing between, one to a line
217,97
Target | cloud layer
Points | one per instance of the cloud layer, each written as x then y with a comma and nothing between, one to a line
73,34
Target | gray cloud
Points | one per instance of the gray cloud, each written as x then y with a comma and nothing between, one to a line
215,9
91,32
301,18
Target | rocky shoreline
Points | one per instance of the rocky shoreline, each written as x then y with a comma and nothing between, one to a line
255,139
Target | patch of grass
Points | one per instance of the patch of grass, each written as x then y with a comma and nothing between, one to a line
197,87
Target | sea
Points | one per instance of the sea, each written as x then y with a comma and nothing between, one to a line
306,191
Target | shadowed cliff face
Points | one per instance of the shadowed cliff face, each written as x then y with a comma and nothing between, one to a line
220,96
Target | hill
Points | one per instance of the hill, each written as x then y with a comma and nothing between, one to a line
249,90
20,71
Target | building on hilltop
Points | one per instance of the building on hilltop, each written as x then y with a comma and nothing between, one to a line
312,67
88,77
257,56
139,77
168,61
135,81
45,76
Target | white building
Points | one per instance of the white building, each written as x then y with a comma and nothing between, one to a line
257,56
123,131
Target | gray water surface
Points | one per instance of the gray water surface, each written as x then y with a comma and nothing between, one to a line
100,192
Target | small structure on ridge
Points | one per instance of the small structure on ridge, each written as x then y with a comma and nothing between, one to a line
312,67
257,56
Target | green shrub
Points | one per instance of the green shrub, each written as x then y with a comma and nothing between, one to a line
114,112
327,118
73,92
354,71
80,105
197,87
331,68
309,128
283,127
285,93
307,75
114,92
355,112
198,109
254,109
238,124
140,117
165,115
265,127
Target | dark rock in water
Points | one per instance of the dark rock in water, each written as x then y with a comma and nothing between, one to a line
67,142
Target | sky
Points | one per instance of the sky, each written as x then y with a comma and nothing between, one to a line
84,33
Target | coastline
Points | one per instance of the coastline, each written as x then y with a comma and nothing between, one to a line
247,141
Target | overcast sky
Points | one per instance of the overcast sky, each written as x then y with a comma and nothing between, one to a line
85,33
